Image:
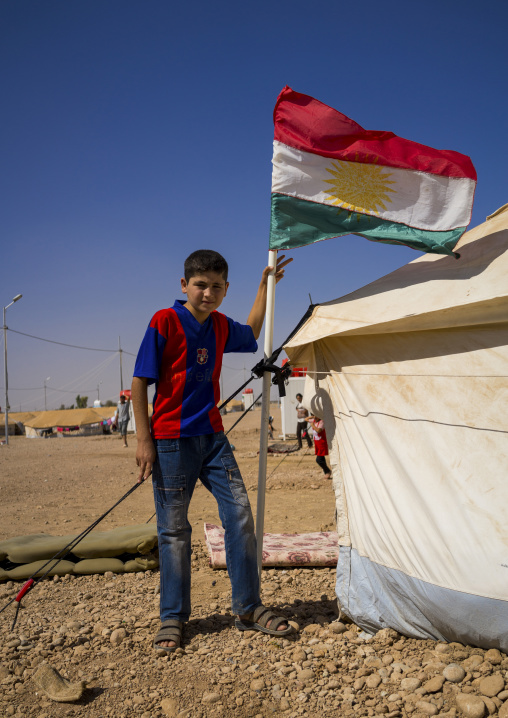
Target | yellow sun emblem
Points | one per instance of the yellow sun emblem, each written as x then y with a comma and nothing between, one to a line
359,187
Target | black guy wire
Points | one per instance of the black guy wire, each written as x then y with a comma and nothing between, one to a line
244,413
237,392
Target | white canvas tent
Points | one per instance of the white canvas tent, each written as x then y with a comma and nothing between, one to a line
410,374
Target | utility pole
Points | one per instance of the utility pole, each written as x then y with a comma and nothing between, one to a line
6,381
45,404
121,375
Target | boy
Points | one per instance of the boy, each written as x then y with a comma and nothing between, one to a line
122,412
182,352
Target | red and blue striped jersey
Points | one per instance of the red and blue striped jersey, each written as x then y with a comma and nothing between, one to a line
184,359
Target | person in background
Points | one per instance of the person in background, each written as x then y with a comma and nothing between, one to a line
270,427
301,426
122,418
320,444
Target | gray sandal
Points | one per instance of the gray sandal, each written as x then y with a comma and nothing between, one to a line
259,618
170,630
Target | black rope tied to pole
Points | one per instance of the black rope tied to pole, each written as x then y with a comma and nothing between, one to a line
60,556
281,374
244,413
230,398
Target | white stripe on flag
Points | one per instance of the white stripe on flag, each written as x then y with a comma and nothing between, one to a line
416,199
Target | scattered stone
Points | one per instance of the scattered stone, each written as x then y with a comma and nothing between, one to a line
434,685
373,681
306,675
117,636
503,711
491,685
169,707
299,655
472,662
454,673
489,704
443,648
410,684
428,708
210,698
470,705
494,656
337,627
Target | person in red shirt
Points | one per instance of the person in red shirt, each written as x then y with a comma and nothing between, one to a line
320,444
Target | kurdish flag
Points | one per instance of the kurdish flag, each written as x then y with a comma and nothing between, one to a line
331,177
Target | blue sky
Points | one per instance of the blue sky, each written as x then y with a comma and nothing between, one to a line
136,132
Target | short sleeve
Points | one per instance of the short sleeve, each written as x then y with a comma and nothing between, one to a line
240,338
150,352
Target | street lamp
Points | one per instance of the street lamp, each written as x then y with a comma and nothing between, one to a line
18,296
45,380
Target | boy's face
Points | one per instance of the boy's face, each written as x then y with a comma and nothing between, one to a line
205,293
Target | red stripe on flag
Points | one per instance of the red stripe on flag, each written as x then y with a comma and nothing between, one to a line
309,125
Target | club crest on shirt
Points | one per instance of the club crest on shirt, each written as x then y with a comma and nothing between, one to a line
202,356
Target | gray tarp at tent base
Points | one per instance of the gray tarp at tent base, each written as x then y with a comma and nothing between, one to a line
411,376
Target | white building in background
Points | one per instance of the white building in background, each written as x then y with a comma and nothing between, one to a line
295,385
248,398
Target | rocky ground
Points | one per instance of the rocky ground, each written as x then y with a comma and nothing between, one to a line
100,628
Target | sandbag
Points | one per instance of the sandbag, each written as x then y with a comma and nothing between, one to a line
141,538
25,570
124,549
98,565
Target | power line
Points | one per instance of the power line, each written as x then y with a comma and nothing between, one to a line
49,388
73,346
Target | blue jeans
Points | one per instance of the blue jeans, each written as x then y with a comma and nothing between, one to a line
179,464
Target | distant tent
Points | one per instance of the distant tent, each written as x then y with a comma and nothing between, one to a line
235,405
84,422
105,412
411,375
11,425
19,418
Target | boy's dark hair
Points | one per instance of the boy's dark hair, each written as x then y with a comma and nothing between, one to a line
205,260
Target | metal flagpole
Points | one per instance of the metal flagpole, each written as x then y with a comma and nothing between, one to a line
265,408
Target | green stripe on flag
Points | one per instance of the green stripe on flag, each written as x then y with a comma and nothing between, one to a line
297,222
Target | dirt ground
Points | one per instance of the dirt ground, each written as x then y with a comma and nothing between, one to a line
59,486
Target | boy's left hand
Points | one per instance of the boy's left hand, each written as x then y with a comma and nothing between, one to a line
279,269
